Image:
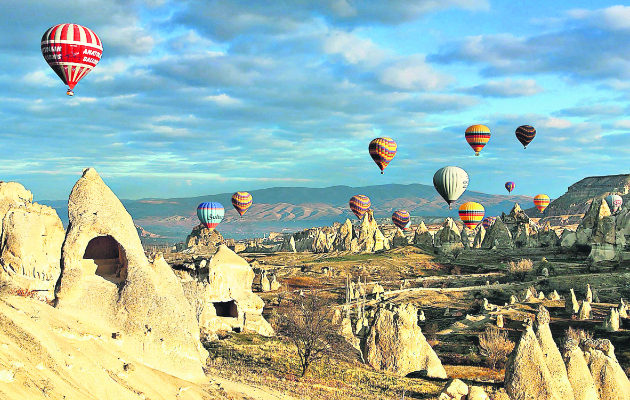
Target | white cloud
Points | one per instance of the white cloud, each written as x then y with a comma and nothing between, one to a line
224,100
413,74
615,17
40,78
353,48
506,88
622,124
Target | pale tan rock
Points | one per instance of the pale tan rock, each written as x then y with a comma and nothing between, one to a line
571,305
30,248
370,238
513,299
422,236
399,240
395,343
527,376
467,236
528,295
552,356
455,390
274,285
612,321
448,238
541,295
568,238
584,312
107,280
498,237
288,244
265,285
13,194
477,393
204,239
589,294
479,236
345,330
610,380
578,373
343,239
230,303
500,322
554,295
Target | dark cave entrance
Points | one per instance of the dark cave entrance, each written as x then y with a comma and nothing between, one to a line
226,309
109,257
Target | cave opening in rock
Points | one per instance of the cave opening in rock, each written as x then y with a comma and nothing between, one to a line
107,258
226,309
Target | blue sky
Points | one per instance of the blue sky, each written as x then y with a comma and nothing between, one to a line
199,97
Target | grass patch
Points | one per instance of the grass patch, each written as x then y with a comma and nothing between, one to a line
271,362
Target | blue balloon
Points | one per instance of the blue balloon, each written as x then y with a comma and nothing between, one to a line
210,214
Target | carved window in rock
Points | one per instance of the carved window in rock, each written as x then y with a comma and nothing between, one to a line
108,256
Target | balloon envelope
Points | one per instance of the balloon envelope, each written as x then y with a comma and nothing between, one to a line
450,182
488,222
541,202
614,202
360,204
210,214
241,202
72,51
471,214
382,151
510,186
525,134
477,137
401,219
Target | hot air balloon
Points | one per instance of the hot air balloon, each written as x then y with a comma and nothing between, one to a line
525,134
401,219
488,222
477,137
450,182
614,202
241,202
541,201
510,186
359,205
382,151
72,51
210,214
471,214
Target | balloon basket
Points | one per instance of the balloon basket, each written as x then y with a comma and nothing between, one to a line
69,92
477,154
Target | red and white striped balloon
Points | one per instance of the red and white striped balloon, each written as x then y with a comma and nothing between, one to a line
72,51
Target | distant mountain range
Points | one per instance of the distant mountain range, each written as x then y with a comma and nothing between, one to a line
291,209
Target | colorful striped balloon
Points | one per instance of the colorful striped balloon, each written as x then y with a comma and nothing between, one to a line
401,219
541,201
471,214
614,202
525,134
241,202
477,137
210,214
488,222
510,186
72,51
359,205
382,151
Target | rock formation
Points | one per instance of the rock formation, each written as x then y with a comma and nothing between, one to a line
370,238
448,237
578,373
589,293
610,380
568,238
288,244
202,239
423,237
107,280
399,240
571,305
552,356
467,236
227,299
612,321
395,343
584,312
497,237
527,376
521,228
345,240
30,245
481,234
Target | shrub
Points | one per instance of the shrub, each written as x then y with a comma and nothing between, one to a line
521,268
494,345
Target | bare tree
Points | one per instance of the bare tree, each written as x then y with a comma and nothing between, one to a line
495,345
308,325
521,268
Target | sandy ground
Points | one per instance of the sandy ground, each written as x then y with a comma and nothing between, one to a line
46,354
